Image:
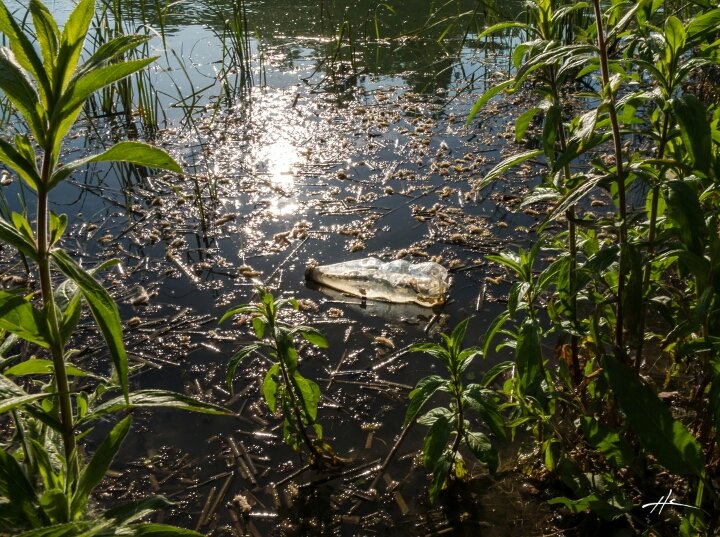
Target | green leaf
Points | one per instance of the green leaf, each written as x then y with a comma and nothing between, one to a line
47,34
523,122
440,473
466,357
429,418
57,226
423,391
111,52
502,26
684,209
39,366
24,50
494,372
71,42
313,336
259,327
54,502
691,115
607,442
18,316
153,399
309,393
16,160
81,88
136,153
706,23
103,309
12,236
95,471
436,440
505,165
13,396
528,358
665,437
482,401
270,387
675,37
130,512
21,93
485,97
162,530
15,486
481,447
235,361
494,328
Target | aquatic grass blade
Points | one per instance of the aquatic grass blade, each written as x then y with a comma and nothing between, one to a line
103,309
95,471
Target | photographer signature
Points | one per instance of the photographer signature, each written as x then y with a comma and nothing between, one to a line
666,500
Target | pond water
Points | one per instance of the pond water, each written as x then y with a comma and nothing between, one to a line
309,130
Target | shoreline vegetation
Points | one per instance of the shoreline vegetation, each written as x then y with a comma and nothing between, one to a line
594,389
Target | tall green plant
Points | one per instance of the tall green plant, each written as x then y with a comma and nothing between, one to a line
48,85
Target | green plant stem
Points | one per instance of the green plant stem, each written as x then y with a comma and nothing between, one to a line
622,208
457,383
56,345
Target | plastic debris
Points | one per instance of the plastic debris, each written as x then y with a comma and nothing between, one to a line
395,281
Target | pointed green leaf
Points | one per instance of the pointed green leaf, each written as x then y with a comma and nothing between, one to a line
665,437
20,92
313,336
235,361
523,122
436,440
692,117
136,510
309,395
95,471
24,50
162,530
481,400
111,52
136,153
103,309
528,359
270,387
684,209
607,441
81,88
71,42
41,366
505,165
481,447
154,399
23,166
18,316
15,486
422,392
47,33
485,97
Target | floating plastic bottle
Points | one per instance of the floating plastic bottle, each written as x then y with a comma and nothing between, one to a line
395,281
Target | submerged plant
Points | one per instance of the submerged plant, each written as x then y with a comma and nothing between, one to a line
450,422
44,479
285,389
